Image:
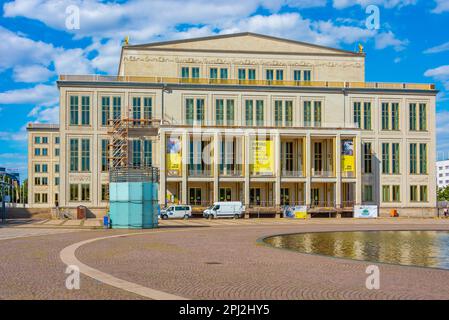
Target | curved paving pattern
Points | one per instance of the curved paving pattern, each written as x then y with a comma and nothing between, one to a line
224,261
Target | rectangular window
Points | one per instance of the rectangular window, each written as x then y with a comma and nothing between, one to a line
189,111
137,153
37,140
242,74
56,181
85,111
307,113
44,198
395,158
396,193
412,116
56,168
251,74
104,155
297,75
423,158
357,115
413,159
37,197
200,111
105,105
422,117
44,181
116,107
74,154
37,151
219,112
307,75
74,111
45,140
249,112
37,168
317,113
278,113
367,193
44,151
230,112
423,193
136,110
259,113
395,116
56,140
413,193
85,192
213,73
45,168
74,192
385,116
85,155
279,75
37,181
367,115
385,158
288,113
184,72
147,108
56,152
195,72
147,153
270,74
104,192
386,193
223,73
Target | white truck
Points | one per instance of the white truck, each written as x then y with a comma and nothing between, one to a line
232,209
176,212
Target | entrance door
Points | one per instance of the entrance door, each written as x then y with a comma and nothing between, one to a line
318,160
315,197
225,194
285,196
254,196
195,196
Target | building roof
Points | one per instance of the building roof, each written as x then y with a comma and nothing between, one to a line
43,126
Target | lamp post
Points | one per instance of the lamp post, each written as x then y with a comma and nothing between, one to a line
165,89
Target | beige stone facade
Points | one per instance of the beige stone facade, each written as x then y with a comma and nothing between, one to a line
219,95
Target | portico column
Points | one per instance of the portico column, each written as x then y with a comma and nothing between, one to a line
162,170
246,167
185,154
358,170
338,171
216,164
308,156
277,170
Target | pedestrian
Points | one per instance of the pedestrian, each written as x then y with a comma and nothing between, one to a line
446,212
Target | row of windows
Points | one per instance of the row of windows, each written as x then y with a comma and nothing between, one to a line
390,116
38,168
44,140
81,192
254,112
392,193
41,198
391,158
43,181
246,73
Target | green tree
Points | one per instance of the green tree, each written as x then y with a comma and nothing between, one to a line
443,193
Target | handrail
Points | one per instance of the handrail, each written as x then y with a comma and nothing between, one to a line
208,81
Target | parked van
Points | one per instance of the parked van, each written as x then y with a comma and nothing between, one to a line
233,209
177,212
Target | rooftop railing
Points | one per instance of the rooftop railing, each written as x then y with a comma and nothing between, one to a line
208,81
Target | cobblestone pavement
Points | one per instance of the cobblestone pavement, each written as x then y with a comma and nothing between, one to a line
218,259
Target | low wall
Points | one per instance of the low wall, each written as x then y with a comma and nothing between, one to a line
28,213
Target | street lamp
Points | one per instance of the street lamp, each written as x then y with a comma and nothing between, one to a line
165,89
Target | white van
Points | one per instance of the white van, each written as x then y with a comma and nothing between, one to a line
177,212
233,209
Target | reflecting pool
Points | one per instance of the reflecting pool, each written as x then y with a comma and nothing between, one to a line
414,248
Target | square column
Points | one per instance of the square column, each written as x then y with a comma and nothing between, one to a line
247,158
162,171
358,170
308,155
185,155
216,164
338,171
277,170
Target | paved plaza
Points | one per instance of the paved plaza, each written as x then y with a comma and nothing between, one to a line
203,259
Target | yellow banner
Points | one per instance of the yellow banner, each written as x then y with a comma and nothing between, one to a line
347,156
174,156
263,156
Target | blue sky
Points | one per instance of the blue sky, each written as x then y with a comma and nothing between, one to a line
411,45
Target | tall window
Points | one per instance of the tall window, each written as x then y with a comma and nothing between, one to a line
147,108
249,112
412,116
74,155
136,109
385,116
85,110
184,72
194,110
104,155
74,110
396,193
297,75
270,74
317,113
105,105
385,158
242,74
85,192
395,116
213,73
137,149
386,193
116,107
357,114
367,115
283,113
259,113
147,153
395,158
74,195
423,158
223,73
105,192
85,155
219,112
200,111
278,113
307,113
251,74
413,159
367,158
279,75
195,72
413,193
423,193
368,193
422,117
224,112
189,111
247,74
307,75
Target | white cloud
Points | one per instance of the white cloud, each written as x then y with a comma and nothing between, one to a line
340,4
388,39
13,136
39,94
45,114
440,74
442,6
437,49
31,73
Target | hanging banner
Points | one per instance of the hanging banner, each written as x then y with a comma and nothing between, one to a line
263,157
174,156
296,212
365,212
347,156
